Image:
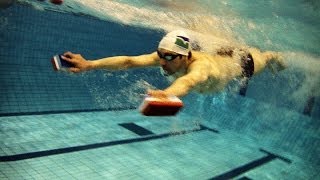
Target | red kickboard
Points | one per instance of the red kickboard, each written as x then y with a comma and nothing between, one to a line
152,106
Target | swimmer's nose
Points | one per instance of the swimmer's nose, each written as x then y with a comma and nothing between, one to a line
163,62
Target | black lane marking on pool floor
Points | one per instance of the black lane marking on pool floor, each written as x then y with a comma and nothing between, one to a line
51,152
137,129
244,178
251,165
209,129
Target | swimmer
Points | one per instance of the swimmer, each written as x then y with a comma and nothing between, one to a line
189,69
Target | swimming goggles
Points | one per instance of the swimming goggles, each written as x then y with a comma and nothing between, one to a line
168,56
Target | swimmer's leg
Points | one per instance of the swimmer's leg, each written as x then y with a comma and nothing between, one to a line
268,59
275,61
244,87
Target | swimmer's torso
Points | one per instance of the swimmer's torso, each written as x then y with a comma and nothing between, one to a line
220,69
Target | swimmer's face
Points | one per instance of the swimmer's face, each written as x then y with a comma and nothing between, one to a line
170,62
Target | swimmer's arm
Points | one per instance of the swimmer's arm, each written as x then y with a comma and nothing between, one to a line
184,84
110,63
125,62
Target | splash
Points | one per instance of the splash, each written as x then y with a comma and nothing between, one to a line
136,91
195,17
131,93
308,66
208,30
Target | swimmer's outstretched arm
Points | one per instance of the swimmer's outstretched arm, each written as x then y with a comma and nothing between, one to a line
110,63
183,85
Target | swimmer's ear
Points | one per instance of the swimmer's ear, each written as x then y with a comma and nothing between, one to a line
189,55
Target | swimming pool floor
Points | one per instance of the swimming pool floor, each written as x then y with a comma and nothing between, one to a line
126,145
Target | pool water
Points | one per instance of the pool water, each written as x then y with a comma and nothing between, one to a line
87,126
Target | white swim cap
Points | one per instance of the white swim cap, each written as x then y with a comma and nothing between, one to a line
176,41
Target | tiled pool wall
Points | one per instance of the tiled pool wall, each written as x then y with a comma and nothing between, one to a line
29,39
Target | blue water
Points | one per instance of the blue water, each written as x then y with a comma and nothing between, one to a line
66,126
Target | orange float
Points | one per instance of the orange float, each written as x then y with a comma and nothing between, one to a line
152,106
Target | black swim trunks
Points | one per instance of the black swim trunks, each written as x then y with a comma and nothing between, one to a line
247,65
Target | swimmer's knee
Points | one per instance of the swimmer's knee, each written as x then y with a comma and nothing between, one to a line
269,55
275,61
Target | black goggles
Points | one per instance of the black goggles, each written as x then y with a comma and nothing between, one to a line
168,56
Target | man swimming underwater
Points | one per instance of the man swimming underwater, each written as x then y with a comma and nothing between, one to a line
191,70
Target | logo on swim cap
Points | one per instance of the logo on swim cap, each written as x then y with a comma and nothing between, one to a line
182,42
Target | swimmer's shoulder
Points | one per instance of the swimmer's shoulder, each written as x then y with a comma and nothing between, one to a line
203,57
201,60
205,61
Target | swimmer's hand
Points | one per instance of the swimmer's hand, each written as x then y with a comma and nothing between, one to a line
158,94
80,64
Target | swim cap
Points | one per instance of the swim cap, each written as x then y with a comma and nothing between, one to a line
176,41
